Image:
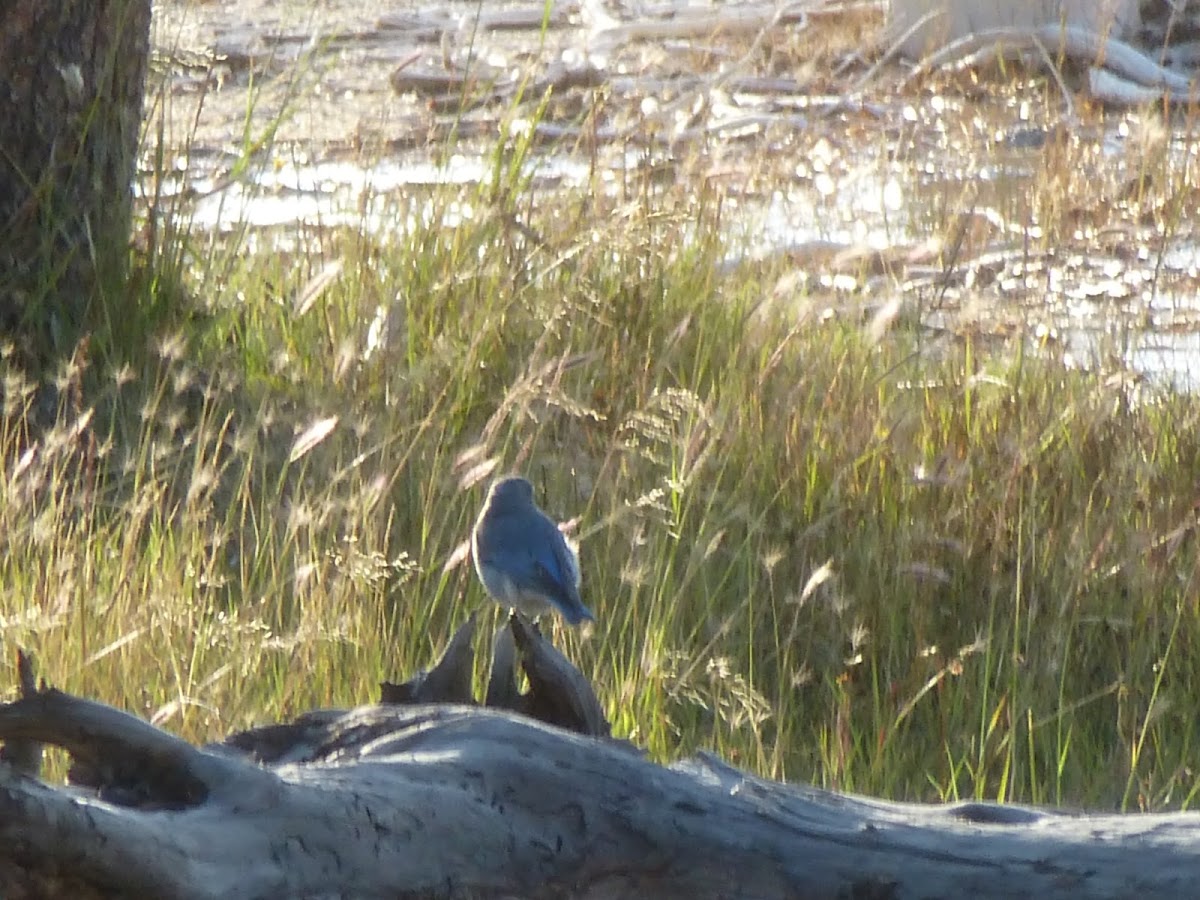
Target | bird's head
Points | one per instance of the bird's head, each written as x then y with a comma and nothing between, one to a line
513,492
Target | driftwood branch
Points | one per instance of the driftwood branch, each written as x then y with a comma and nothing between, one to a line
455,800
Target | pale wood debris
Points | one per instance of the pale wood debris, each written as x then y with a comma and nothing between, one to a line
454,800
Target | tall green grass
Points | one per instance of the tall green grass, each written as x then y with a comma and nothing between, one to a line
868,562
830,549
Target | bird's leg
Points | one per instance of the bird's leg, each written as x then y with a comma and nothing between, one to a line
535,622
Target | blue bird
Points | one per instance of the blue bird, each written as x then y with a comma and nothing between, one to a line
522,558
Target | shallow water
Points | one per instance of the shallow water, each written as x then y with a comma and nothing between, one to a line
987,207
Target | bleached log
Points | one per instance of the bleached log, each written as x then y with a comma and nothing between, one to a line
923,26
460,801
690,22
1080,44
1089,33
558,693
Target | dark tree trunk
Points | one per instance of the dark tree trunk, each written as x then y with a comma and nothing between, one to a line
72,76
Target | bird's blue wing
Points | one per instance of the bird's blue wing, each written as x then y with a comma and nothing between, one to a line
533,555
560,573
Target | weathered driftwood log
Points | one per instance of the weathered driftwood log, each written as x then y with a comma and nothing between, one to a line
462,801
922,26
558,693
1120,43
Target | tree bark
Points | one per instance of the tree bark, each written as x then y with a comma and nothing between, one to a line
458,801
72,75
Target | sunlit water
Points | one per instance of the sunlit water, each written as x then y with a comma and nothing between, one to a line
1093,307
